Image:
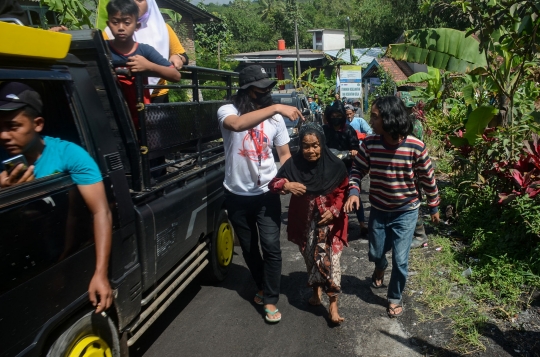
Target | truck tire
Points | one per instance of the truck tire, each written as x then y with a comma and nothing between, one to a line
221,249
91,335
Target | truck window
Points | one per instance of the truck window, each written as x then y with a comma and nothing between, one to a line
288,101
57,111
50,205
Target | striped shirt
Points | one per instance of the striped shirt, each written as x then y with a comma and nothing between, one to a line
393,170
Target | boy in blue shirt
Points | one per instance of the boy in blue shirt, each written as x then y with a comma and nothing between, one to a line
20,126
139,57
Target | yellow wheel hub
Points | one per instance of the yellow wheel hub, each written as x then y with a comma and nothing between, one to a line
90,346
224,244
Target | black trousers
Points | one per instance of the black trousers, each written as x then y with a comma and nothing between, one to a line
258,219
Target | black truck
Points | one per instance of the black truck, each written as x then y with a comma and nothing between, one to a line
164,188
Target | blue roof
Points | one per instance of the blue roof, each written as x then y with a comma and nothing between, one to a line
366,55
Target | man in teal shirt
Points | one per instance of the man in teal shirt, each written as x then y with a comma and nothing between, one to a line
20,126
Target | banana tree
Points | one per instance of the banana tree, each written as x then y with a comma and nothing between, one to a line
442,48
73,13
434,89
304,79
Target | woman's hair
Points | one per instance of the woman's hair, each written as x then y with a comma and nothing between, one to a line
242,101
124,7
393,113
336,107
312,129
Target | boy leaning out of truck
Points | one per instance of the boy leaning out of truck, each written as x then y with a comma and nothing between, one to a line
21,125
138,57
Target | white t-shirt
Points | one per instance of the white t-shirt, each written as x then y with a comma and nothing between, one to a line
241,158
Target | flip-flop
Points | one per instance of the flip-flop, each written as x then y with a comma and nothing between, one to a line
393,309
260,297
271,313
373,278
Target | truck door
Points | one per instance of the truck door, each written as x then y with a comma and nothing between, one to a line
46,251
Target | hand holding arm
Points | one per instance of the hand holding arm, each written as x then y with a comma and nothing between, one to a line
295,188
139,63
177,61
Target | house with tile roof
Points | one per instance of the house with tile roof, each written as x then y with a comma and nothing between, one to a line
399,70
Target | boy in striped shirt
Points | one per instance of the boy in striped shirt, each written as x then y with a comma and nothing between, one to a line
393,158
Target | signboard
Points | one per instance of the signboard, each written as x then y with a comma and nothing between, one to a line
350,78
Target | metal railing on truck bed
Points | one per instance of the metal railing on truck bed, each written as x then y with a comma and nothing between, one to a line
183,134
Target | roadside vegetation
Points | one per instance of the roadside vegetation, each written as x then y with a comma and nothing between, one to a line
481,120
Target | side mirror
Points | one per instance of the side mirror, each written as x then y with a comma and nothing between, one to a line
306,112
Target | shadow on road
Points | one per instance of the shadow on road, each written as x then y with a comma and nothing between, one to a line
163,322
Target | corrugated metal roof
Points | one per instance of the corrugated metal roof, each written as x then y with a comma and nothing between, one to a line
257,59
366,55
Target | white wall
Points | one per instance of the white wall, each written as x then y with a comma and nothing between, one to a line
333,41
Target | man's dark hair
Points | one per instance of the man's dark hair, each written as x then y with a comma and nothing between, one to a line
30,112
124,7
393,113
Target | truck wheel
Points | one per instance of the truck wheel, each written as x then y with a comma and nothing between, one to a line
91,336
221,248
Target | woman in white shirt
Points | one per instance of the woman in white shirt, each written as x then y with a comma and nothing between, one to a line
251,126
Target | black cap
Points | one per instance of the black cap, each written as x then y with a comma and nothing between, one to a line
16,95
255,76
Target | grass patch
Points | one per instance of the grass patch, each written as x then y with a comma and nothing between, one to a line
438,277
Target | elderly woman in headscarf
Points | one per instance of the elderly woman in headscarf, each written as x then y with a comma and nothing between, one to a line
317,223
158,34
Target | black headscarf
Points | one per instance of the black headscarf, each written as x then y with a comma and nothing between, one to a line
320,177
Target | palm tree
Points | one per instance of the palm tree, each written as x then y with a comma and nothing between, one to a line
270,8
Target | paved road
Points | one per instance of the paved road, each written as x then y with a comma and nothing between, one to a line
222,320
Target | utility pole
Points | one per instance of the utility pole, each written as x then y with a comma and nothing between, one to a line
350,44
298,85
219,55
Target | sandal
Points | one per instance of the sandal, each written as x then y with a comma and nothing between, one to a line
272,313
393,310
375,276
261,299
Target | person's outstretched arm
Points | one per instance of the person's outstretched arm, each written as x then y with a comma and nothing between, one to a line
254,118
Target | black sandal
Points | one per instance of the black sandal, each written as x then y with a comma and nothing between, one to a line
374,277
393,310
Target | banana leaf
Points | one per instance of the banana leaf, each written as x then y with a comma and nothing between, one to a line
442,48
478,121
101,16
